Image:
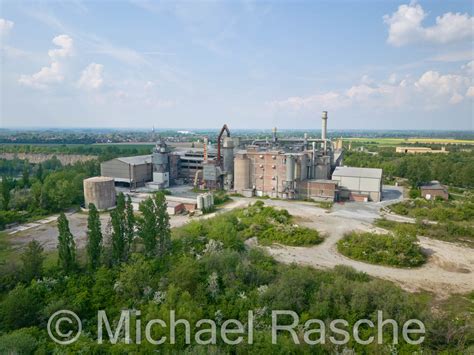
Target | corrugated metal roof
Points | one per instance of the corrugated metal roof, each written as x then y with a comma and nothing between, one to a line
358,172
137,160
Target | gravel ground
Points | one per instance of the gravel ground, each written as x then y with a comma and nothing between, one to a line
449,268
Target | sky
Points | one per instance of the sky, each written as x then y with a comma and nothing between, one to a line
251,64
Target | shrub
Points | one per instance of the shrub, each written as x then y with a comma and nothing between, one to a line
398,249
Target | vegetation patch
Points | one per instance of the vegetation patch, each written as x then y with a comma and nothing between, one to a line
436,210
221,197
398,249
267,224
461,232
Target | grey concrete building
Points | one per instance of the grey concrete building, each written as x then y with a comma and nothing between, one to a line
359,184
132,171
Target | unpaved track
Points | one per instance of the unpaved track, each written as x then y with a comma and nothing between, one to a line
450,268
46,231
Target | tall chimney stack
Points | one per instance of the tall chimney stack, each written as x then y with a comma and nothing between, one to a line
324,121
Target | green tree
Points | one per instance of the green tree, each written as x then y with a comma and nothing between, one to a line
146,225
25,179
19,308
66,245
163,219
32,260
94,238
153,225
40,172
130,222
6,187
118,221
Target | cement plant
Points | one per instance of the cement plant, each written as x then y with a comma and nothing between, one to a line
236,177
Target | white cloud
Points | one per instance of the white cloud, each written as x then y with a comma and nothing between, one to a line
470,91
5,27
429,91
66,47
458,56
91,77
43,78
435,86
54,73
405,26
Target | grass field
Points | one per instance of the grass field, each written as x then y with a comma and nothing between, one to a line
401,141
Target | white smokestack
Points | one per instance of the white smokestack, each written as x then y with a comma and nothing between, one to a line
324,121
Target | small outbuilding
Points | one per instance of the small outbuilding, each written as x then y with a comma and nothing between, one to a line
174,208
434,189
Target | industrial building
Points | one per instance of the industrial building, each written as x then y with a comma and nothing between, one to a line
419,150
129,171
289,168
359,184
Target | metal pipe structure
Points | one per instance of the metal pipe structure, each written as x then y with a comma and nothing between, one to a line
206,142
219,138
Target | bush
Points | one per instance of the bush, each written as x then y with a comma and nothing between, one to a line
398,249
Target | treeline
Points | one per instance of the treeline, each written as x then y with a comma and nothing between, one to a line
212,276
43,189
454,168
104,152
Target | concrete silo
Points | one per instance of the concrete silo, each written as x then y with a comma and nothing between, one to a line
100,191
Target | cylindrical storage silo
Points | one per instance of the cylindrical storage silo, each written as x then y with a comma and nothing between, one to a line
200,202
304,167
290,168
228,150
100,191
207,201
241,173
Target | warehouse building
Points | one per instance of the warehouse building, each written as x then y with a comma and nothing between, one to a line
129,171
419,150
359,184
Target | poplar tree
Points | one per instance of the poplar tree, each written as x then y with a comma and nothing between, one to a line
66,245
94,237
163,224
130,222
32,260
117,217
6,187
153,225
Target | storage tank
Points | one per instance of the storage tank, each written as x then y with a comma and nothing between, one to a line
304,167
160,160
290,168
100,191
200,202
241,173
228,148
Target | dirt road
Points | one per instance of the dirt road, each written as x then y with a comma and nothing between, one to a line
449,268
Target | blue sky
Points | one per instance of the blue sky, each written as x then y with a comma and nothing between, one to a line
371,64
